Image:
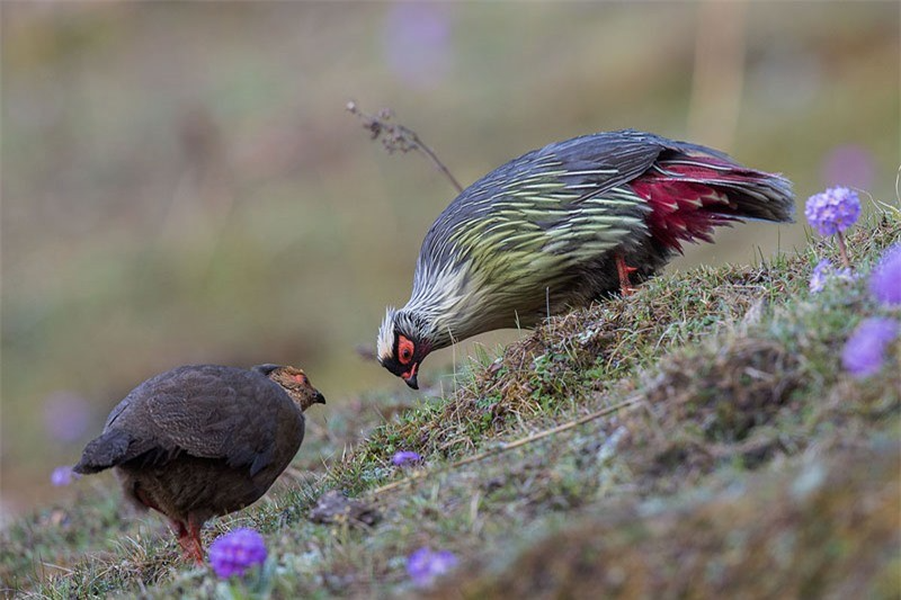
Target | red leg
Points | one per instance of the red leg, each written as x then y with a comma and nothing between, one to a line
184,540
196,551
189,540
182,532
625,284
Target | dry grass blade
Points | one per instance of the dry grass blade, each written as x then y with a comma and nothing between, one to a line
510,446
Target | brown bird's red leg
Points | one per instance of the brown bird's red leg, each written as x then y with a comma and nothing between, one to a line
196,551
184,539
189,540
625,285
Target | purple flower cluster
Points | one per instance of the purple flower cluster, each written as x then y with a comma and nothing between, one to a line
405,457
885,282
832,211
63,476
823,271
237,551
864,352
425,565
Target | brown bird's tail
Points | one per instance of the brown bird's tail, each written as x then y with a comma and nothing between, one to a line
108,450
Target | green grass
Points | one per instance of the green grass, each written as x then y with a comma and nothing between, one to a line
741,461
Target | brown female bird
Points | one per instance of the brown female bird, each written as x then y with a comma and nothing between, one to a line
201,441
563,226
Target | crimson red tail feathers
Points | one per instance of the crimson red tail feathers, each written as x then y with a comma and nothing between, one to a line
690,195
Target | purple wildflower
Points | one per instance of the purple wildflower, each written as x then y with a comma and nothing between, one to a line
235,552
885,282
63,476
424,565
820,273
823,272
864,351
404,457
832,211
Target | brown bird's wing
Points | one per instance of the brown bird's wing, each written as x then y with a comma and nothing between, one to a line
206,411
224,413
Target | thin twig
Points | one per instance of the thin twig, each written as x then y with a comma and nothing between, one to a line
505,447
397,137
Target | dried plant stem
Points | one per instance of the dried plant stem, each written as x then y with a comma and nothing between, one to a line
397,137
843,249
505,447
422,147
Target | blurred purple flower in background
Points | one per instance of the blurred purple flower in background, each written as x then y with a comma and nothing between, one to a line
823,271
820,273
405,457
851,165
237,551
417,42
864,351
424,565
832,211
885,281
63,476
66,416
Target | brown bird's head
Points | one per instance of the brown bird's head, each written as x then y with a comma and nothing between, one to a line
295,382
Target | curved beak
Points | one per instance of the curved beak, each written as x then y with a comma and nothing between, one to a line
411,380
410,376
318,398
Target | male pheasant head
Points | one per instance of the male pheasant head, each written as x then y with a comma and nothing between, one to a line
403,343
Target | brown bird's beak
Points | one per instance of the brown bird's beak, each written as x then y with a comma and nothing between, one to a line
318,398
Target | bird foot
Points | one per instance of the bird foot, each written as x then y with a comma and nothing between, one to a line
189,540
625,284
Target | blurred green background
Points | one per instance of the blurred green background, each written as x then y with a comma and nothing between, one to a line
182,184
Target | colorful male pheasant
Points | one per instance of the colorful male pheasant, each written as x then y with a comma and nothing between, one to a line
565,225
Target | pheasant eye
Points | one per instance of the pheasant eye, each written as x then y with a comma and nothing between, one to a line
404,350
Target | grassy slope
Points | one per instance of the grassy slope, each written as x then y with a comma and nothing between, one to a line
741,460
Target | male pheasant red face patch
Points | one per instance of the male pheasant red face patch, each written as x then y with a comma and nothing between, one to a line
405,349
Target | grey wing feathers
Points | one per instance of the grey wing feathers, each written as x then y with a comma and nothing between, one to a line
586,166
560,197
